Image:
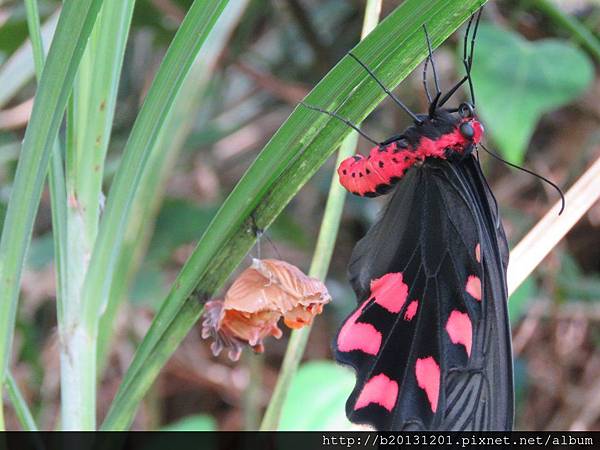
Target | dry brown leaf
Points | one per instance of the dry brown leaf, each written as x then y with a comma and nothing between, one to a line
263,293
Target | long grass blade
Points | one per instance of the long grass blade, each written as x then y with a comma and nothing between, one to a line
56,179
19,404
579,32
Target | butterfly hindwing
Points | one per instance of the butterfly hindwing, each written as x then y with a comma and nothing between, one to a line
429,339
480,397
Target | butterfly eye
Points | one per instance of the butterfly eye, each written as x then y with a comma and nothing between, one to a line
466,110
466,129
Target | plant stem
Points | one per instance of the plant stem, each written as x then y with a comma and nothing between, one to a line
252,395
89,124
321,257
584,36
19,404
56,174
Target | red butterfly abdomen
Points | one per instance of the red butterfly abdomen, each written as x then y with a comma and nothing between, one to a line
368,177
353,175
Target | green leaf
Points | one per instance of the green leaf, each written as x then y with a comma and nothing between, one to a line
517,81
13,30
328,386
19,404
198,422
521,383
576,29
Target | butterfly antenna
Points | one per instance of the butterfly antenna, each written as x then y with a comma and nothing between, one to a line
560,192
387,91
468,63
346,121
425,87
438,93
467,60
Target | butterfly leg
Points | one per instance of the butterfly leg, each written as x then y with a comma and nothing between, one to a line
387,91
342,119
425,87
467,60
432,103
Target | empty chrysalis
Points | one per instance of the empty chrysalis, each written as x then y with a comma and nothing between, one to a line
250,311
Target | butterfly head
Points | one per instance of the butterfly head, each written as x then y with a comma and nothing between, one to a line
470,129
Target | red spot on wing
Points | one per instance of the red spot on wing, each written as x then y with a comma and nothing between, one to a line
474,287
427,372
359,336
379,390
411,310
389,291
478,253
460,330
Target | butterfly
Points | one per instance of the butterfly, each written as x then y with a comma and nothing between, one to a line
430,339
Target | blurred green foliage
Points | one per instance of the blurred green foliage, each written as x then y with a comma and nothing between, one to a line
574,284
519,301
518,81
14,31
317,397
179,222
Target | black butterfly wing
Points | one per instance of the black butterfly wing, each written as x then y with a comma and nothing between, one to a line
430,340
